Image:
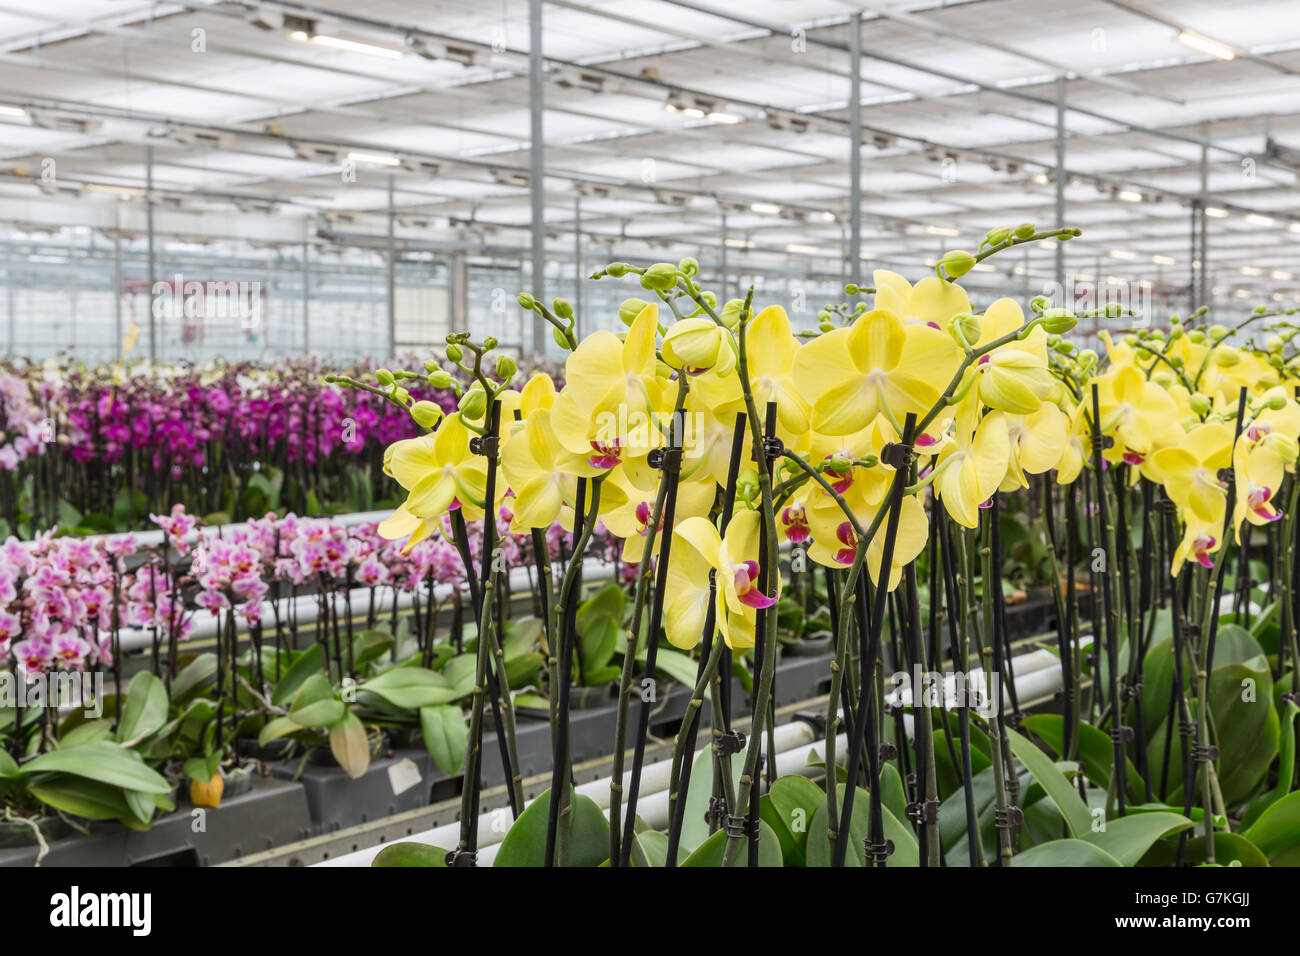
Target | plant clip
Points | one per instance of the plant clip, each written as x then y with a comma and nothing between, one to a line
1008,817
1225,475
1290,697
732,742
910,780
922,811
892,707
1193,629
1186,727
486,445
666,460
462,858
1167,506
1090,659
888,751
897,455
740,825
1204,753
1121,734
878,852
1132,692
773,448
1102,442
717,811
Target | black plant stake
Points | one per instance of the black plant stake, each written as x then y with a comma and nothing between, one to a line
681,788
960,665
1118,733
669,462
899,456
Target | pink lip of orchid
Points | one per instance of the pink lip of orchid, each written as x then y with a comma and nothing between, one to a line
1132,457
1258,502
1201,549
849,539
608,454
746,579
796,524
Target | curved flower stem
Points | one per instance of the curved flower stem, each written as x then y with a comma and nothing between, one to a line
767,666
566,610
629,656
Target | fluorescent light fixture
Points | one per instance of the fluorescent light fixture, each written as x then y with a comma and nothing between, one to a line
1243,293
1281,275
1122,254
942,231
1164,260
1214,212
1293,227
1205,45
1041,179
827,216
765,208
728,118
6,110
375,159
1251,271
984,267
802,250
115,190
1259,220
741,243
1129,195
347,46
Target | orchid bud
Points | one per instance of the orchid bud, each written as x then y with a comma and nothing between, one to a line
440,379
1276,402
1059,321
426,414
384,377
689,267
1199,404
454,353
562,308
526,301
1040,303
661,277
747,487
995,237
1227,357
964,328
506,368
1217,332
616,269
473,403
957,262
1025,231
730,313
630,309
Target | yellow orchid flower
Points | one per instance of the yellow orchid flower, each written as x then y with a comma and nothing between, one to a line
613,397
698,345
972,468
835,541
1258,473
849,375
1190,472
770,352
440,472
1139,414
1275,427
402,524
700,549
1200,540
1038,442
932,301
637,486
543,474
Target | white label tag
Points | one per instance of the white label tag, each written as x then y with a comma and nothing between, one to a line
403,775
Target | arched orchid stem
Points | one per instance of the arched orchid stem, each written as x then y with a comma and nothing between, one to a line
557,844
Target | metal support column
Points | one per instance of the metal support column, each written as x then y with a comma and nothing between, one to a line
726,279
1204,257
117,291
306,297
1060,187
148,214
577,265
392,273
855,149
536,186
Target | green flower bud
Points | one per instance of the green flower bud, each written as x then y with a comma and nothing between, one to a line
747,488
562,308
426,414
661,277
1260,309
995,237
1087,359
730,313
1163,379
956,263
1176,361
526,301
1226,357
1196,335
965,329
473,403
558,336
630,309
454,353
1276,402
1025,231
689,267
1275,361
1175,333
440,379
616,269
401,394
1199,404
384,377
506,368
851,289
1273,343
1040,303
1217,332
430,365
826,324
839,465
1059,321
